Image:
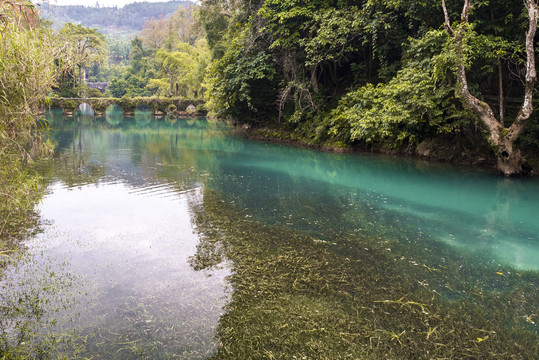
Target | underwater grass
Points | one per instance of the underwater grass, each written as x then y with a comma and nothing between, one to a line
367,297
147,328
30,305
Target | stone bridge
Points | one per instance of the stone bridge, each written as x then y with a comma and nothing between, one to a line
158,106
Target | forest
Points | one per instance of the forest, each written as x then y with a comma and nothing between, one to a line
168,57
109,19
449,80
374,75
379,75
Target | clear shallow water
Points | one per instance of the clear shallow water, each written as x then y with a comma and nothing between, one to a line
129,250
120,206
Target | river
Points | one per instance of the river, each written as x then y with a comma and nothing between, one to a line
173,238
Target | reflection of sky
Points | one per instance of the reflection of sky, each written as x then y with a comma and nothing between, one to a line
133,243
125,227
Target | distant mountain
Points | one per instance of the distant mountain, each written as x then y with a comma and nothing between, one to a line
110,20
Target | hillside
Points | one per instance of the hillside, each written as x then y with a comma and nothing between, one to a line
111,20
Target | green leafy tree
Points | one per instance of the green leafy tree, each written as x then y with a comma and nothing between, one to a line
352,70
184,68
416,104
118,87
241,83
81,47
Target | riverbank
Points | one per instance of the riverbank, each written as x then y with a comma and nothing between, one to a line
437,150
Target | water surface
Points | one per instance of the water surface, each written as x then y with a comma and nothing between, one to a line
123,196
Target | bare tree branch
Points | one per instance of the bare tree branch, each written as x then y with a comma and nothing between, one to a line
447,20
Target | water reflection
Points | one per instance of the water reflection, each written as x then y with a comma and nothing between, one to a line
86,110
171,119
119,200
325,194
114,114
143,115
139,288
54,115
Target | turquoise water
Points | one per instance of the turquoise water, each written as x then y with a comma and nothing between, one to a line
472,210
118,219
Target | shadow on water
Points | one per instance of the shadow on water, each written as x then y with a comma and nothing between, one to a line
326,255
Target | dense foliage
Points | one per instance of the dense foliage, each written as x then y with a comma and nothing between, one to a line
168,58
406,108
80,48
371,73
26,74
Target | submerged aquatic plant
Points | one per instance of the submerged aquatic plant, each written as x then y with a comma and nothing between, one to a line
30,303
360,295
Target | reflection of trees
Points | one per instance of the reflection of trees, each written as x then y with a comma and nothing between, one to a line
312,247
320,194
143,115
506,198
114,114
308,238
72,168
327,194
70,163
185,150
501,227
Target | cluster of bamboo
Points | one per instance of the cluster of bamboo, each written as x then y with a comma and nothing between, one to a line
26,75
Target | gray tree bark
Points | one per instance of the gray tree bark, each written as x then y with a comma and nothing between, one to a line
510,159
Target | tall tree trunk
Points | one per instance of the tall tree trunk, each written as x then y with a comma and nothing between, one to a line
80,75
510,160
314,77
